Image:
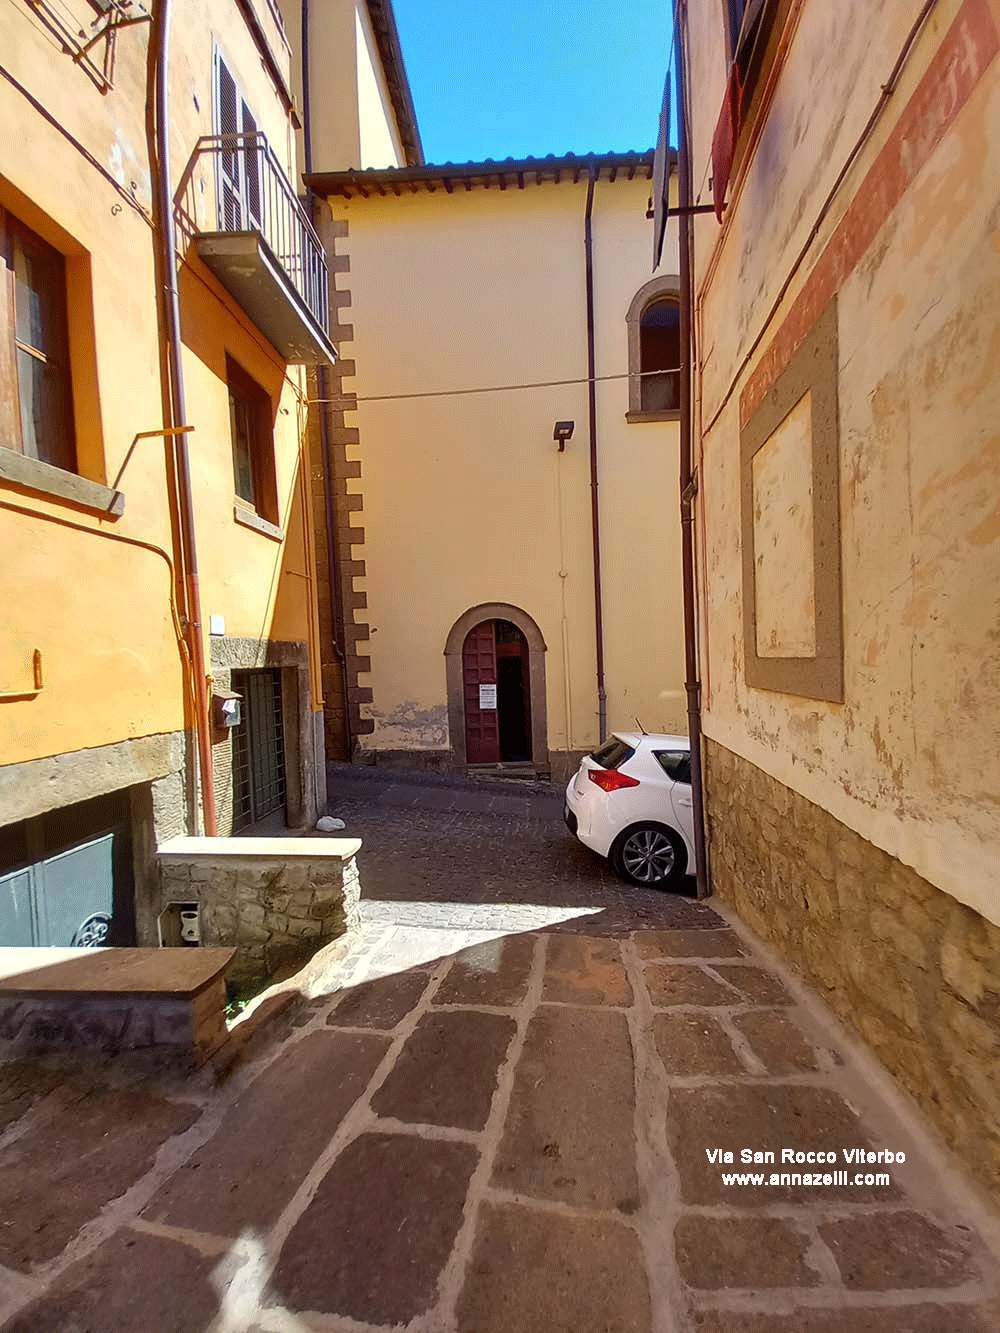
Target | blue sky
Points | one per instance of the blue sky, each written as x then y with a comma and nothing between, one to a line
498,78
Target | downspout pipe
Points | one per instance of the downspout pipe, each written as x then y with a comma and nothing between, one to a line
336,599
688,482
167,239
595,509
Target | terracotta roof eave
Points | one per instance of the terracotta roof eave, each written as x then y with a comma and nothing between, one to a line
543,170
383,21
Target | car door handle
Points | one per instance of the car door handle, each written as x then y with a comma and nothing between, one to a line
684,800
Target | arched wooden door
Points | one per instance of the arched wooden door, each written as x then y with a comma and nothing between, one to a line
479,682
496,690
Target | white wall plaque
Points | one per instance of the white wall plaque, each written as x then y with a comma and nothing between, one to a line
487,696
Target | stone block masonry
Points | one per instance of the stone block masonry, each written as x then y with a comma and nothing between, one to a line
914,972
276,900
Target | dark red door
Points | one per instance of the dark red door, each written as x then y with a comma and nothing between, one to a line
479,668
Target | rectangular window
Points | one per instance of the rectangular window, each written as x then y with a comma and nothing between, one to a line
36,355
252,430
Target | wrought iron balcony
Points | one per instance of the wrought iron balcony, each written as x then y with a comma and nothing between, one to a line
264,250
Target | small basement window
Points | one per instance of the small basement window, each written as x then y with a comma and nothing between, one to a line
252,429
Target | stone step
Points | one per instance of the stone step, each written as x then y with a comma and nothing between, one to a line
112,1000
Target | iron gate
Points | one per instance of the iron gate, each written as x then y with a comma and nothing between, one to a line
258,748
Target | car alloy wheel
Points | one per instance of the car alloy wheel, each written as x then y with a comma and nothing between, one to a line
648,856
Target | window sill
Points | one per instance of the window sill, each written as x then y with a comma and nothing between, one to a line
632,417
44,479
249,518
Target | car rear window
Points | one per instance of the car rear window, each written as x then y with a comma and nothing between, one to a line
613,753
676,764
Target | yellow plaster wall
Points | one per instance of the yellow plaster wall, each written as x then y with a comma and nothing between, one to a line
379,139
466,498
910,759
352,122
99,609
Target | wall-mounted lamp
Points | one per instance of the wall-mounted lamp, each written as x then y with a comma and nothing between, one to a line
563,431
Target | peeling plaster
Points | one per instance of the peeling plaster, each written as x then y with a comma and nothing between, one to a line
410,726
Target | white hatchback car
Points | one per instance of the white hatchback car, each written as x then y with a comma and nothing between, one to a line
631,801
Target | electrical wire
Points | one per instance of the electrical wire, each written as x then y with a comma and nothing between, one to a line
495,388
888,88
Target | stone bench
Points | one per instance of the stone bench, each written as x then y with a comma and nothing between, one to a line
277,900
112,1000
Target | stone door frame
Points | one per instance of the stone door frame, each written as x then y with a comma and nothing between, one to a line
536,677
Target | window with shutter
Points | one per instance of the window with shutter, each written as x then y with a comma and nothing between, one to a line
239,161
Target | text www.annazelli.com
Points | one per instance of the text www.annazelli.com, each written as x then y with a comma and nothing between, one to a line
791,1179
823,1158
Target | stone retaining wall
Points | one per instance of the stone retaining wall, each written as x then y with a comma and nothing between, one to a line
277,900
913,971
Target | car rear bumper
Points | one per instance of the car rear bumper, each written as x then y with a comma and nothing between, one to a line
578,817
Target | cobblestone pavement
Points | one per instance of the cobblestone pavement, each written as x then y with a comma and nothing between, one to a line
478,1126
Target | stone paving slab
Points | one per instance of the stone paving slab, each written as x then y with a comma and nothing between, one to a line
686,984
56,1178
777,1041
250,1168
782,1116
374,1240
757,985
535,1272
381,1003
573,1090
446,1073
582,970
705,943
715,1253
131,1284
492,973
694,1043
924,1318
887,1251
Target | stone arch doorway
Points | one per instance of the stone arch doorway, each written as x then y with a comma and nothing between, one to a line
495,664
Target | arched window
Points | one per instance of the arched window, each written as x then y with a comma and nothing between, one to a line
660,356
654,352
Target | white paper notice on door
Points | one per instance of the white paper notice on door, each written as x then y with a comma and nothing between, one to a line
487,697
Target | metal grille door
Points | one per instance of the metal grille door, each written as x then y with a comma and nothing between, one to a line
479,669
258,748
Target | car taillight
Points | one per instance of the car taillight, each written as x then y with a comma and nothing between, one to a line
610,780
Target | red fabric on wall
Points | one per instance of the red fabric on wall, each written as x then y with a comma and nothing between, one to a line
727,131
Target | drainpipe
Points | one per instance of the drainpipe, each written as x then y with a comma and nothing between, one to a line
595,512
325,393
688,482
166,236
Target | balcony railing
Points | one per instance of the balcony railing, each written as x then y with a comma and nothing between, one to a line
255,199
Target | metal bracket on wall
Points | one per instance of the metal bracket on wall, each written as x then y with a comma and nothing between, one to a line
75,42
36,663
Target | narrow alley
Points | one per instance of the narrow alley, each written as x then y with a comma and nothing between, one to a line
492,1110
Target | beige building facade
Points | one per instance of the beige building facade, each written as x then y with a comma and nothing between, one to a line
472,622
846,432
